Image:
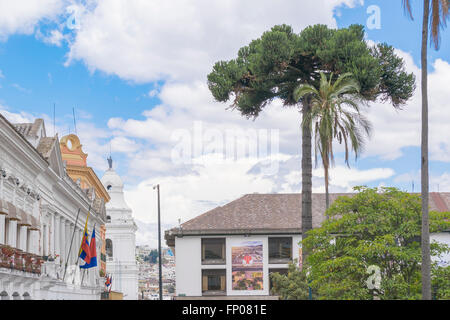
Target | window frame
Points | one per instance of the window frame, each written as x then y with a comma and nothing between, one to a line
222,274
213,261
279,259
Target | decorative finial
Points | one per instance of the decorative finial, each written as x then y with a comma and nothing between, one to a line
110,162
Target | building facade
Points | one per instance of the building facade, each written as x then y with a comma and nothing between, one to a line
120,240
42,216
229,252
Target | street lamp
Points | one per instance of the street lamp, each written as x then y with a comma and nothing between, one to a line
159,244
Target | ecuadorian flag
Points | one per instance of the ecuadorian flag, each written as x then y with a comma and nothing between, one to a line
92,255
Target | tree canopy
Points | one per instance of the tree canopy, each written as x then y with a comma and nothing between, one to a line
273,65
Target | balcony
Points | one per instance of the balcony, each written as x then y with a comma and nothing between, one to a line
16,259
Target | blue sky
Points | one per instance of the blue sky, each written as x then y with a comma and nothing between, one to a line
136,80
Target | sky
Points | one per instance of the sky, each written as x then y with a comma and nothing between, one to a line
134,72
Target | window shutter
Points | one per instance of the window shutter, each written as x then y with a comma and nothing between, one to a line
223,250
205,283
203,251
222,283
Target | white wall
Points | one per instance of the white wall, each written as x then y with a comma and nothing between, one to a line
444,238
188,266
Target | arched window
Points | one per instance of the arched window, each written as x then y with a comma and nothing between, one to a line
109,248
26,296
4,295
108,218
109,187
16,296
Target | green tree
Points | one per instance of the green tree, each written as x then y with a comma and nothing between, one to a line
379,227
274,65
335,114
438,10
293,286
441,282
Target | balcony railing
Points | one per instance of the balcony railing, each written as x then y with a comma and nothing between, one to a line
16,259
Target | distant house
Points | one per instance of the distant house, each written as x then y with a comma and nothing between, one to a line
229,252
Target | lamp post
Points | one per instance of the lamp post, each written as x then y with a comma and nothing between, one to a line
159,245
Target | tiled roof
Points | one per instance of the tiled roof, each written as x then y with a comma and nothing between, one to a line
274,212
29,129
45,146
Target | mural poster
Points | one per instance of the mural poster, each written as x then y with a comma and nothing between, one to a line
247,266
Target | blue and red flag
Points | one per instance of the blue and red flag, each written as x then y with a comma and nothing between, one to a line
92,261
85,253
108,282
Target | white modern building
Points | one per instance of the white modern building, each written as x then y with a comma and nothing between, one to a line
39,230
230,251
120,238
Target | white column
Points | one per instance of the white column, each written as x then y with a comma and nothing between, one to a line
57,227
51,232
30,243
62,239
76,243
67,240
34,234
22,245
44,240
2,229
12,233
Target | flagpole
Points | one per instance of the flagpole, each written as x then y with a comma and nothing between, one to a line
159,245
70,247
78,257
78,254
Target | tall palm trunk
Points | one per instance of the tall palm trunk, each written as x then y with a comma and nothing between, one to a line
426,259
306,178
327,195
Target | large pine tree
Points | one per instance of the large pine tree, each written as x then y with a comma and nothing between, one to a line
272,67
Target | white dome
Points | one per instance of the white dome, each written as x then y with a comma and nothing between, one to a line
111,179
114,185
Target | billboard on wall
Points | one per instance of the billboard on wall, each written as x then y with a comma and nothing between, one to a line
247,266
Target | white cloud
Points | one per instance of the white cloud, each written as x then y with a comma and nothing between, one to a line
179,40
342,179
122,144
22,16
182,39
16,117
210,183
55,37
397,129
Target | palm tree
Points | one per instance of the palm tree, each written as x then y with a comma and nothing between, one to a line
438,10
334,114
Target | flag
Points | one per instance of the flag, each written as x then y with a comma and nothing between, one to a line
170,253
84,252
108,281
92,254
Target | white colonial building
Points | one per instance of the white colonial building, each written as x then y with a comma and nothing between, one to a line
120,238
39,206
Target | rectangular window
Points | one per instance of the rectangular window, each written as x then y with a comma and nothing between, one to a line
214,282
213,251
280,250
